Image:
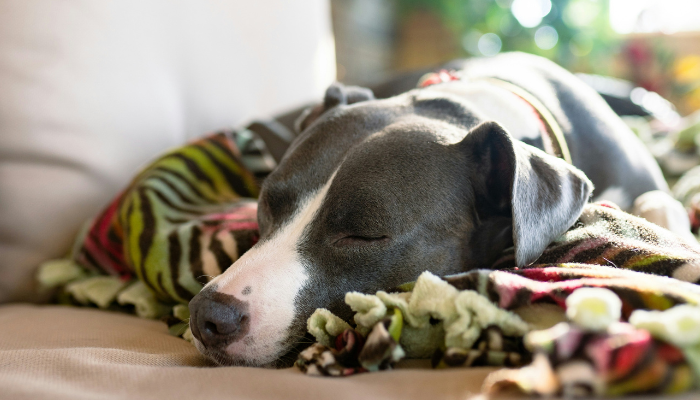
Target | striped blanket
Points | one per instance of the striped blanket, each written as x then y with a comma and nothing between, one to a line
604,235
182,220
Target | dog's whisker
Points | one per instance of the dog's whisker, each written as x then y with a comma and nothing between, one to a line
611,263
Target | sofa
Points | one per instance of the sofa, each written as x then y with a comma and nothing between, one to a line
90,91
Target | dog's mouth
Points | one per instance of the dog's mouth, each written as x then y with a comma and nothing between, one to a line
288,359
294,345
219,357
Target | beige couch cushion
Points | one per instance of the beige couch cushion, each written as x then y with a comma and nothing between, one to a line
91,90
56,352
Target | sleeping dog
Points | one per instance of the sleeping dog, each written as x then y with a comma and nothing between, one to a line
442,178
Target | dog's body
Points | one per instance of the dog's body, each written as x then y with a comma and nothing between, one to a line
373,192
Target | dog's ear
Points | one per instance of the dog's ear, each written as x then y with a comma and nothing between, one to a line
541,194
336,94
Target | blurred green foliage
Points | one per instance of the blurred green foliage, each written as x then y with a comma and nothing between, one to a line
585,39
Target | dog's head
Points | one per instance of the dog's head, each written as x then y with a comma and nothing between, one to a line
372,193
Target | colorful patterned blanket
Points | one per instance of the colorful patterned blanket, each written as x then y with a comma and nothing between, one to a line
182,220
187,216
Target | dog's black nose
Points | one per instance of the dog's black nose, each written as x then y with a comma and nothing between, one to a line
218,319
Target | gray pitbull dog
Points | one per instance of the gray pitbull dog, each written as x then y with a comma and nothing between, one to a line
444,178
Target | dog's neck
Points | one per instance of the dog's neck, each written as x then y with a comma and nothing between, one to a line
495,103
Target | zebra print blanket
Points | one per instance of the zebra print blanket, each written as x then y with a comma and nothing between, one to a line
183,219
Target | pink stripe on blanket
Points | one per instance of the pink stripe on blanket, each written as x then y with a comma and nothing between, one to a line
508,285
586,245
107,253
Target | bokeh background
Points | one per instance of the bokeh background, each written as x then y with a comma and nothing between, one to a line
654,44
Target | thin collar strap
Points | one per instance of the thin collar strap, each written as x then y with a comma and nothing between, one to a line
554,141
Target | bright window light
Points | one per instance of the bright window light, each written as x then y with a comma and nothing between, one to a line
667,16
530,12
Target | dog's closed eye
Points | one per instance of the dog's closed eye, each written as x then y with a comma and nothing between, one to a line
354,240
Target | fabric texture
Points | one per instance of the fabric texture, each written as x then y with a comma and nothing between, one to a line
605,235
182,220
56,352
185,218
93,90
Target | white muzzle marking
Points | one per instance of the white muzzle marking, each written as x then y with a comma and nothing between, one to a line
269,276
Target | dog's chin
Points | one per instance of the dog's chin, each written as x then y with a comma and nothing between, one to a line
285,359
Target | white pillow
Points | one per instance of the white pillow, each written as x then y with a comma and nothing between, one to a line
91,90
